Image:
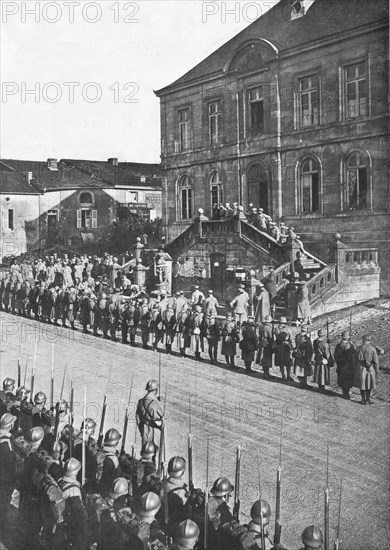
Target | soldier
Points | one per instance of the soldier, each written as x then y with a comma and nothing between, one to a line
75,515
240,305
197,331
169,327
187,536
111,467
62,407
312,538
72,307
322,363
88,426
197,297
249,536
180,302
113,317
8,483
39,409
144,469
149,414
56,469
29,495
149,530
368,369
111,534
104,315
344,356
177,493
219,514
303,355
7,396
249,343
155,325
22,409
144,322
229,340
266,346
213,335
85,311
261,303
183,329
211,304
283,347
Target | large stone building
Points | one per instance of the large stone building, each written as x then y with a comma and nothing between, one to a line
71,202
292,116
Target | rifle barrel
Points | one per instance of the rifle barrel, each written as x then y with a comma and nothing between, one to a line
206,508
326,542
237,480
84,442
190,473
102,419
19,371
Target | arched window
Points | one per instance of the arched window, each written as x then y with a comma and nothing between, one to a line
86,198
216,189
356,181
185,198
309,178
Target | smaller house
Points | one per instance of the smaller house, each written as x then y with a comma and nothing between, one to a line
71,202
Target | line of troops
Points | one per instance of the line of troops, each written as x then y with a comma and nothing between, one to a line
186,324
123,502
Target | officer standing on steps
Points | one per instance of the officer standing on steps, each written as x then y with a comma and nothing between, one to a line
312,538
368,369
149,414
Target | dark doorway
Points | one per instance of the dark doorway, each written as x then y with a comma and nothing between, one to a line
257,185
218,275
52,227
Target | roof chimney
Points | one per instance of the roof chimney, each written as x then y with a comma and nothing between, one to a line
113,161
52,164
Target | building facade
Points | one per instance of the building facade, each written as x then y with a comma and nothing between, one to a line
291,115
71,202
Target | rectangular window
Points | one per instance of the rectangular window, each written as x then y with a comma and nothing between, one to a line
184,129
256,110
216,195
356,90
214,111
11,219
308,101
86,219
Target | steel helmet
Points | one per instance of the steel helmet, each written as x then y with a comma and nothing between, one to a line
268,319
148,449
62,405
221,487
152,385
6,421
34,435
56,449
90,424
312,537
187,534
176,466
119,488
111,438
72,466
255,511
149,505
8,384
22,393
283,321
40,398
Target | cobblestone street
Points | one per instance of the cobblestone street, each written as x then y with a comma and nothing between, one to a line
232,408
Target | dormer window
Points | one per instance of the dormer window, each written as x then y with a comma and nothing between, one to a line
86,199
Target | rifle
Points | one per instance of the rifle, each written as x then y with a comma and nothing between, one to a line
337,541
278,527
126,418
71,418
84,442
326,541
350,325
159,375
57,421
165,500
19,371
161,451
262,534
236,509
33,372
103,417
206,501
190,474
52,380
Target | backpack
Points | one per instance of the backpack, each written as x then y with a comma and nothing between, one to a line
100,458
51,493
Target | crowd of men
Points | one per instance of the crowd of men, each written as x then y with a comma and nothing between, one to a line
97,296
64,489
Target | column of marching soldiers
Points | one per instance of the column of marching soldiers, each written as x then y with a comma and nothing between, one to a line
64,489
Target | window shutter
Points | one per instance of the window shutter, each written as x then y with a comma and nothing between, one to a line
94,219
78,219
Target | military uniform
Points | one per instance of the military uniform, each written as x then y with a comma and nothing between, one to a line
213,334
248,345
144,323
183,329
367,369
322,361
345,358
197,332
303,354
169,327
149,416
283,348
229,341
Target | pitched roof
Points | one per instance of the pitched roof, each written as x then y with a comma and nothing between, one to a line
323,19
75,174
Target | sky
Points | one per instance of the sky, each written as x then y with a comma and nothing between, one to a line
78,76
